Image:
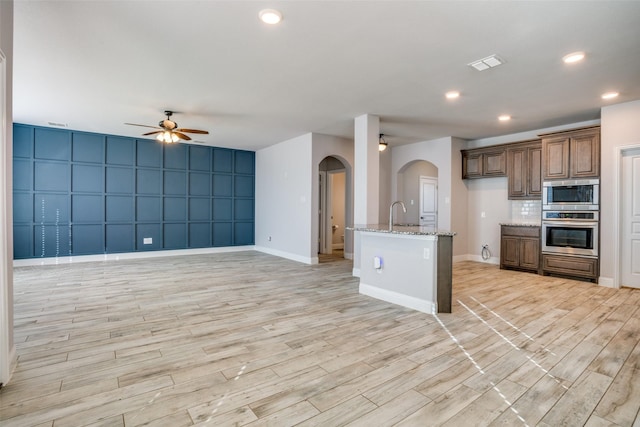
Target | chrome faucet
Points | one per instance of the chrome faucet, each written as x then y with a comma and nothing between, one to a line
404,209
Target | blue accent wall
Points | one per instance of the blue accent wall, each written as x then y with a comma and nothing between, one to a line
79,193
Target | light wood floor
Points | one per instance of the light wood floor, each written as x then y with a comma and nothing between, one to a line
250,339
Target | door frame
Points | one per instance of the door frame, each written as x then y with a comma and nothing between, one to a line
617,213
421,179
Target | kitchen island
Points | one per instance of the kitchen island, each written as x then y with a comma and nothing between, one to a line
405,265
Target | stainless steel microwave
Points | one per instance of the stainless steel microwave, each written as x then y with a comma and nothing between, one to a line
573,194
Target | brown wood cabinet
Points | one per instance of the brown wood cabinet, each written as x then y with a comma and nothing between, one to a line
484,162
520,247
524,167
571,154
570,266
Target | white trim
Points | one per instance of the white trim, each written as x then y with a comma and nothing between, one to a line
348,255
355,272
337,246
127,255
288,255
425,306
607,282
8,358
478,258
617,214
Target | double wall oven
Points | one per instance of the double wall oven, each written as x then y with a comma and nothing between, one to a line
570,217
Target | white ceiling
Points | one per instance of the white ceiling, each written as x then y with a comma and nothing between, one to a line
95,65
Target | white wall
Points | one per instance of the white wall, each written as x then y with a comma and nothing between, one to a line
287,195
284,200
338,207
385,186
7,346
620,127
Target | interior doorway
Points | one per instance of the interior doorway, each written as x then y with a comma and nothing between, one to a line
630,219
332,203
428,202
417,187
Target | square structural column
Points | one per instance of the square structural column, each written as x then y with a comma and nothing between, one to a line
366,170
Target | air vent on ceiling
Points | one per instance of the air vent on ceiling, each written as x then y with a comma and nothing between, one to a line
58,125
486,63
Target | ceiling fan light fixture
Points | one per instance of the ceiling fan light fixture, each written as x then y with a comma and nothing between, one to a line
382,144
270,16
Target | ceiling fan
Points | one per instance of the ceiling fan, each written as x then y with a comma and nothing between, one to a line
168,130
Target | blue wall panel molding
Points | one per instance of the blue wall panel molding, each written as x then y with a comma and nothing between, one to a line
80,193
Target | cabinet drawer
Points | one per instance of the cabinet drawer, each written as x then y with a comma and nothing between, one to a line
570,266
514,230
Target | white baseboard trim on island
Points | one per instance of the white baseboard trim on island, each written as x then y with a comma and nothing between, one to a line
423,306
127,255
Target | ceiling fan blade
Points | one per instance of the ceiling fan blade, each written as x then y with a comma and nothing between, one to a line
152,133
144,126
182,135
204,132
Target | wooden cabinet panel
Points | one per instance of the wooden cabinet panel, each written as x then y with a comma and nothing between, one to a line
471,165
571,154
570,266
556,158
530,253
484,163
585,155
534,184
520,247
509,252
495,163
524,163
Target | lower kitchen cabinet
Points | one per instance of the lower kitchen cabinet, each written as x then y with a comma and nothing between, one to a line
571,266
520,247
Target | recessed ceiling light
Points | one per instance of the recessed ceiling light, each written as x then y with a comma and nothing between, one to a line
610,95
504,118
573,57
452,95
270,16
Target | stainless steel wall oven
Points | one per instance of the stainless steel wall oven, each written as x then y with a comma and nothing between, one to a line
570,232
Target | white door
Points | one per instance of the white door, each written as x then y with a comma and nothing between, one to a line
428,202
630,253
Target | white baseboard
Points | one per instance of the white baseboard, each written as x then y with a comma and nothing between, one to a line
429,307
337,246
127,255
348,255
355,272
478,258
288,255
606,282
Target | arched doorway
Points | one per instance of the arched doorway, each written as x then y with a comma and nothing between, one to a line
332,206
417,184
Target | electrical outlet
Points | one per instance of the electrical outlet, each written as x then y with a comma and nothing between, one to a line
427,253
147,241
269,238
483,214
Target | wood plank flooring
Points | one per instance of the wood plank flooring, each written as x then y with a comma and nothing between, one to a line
248,339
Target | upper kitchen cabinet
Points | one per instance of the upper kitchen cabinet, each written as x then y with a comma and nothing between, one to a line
484,162
571,154
524,168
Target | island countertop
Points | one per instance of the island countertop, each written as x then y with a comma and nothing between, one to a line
412,230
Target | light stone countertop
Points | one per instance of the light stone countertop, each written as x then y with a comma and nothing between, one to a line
410,229
520,224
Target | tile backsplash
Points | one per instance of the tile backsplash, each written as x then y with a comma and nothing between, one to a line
526,211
